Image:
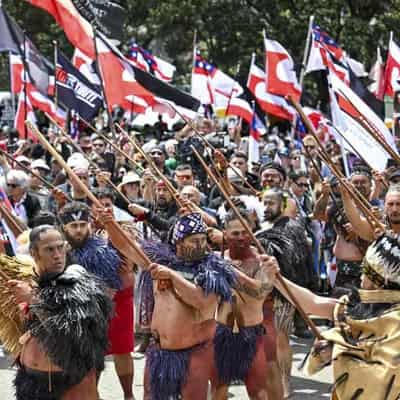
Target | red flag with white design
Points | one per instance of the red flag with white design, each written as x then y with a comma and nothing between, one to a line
212,86
270,103
17,71
281,78
78,30
377,75
45,104
392,70
119,78
24,112
84,64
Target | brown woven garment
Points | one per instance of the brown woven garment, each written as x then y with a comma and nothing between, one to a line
11,326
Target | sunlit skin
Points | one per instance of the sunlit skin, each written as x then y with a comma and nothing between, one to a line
192,194
184,178
239,163
50,252
99,146
363,184
272,207
271,178
367,284
131,190
158,157
300,186
77,232
392,209
78,192
163,196
15,191
238,240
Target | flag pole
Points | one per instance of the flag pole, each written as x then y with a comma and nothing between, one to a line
233,89
306,50
25,92
11,82
55,43
110,124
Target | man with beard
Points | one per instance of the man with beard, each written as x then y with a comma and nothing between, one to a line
160,215
295,263
240,342
272,175
180,359
67,312
99,257
349,247
391,218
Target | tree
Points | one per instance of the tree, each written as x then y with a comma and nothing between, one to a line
230,30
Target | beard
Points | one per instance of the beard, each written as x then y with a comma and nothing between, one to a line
271,215
74,242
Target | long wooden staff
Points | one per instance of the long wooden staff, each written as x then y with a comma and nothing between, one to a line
133,246
13,222
209,145
168,184
30,171
91,162
113,145
259,246
358,198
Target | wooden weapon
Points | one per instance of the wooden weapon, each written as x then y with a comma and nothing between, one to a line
259,246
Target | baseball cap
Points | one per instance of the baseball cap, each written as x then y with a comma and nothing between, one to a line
40,164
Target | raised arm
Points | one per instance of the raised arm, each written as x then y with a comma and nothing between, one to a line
312,304
321,204
188,292
359,223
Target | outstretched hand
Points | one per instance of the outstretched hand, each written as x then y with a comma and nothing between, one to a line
270,266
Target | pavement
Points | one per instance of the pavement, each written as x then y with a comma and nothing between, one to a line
304,388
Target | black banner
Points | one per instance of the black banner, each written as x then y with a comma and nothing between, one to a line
107,16
75,91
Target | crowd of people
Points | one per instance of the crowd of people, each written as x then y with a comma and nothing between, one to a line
165,260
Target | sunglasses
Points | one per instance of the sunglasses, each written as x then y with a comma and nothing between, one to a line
156,153
304,185
12,185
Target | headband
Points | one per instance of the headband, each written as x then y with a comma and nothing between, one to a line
74,216
188,225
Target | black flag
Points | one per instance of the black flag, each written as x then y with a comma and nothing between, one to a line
75,91
106,16
12,38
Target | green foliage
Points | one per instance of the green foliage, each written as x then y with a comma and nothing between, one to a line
230,30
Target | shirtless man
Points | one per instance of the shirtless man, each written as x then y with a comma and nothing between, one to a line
391,213
349,248
179,362
46,370
240,337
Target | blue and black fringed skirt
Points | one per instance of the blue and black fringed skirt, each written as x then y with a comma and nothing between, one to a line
168,371
235,352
